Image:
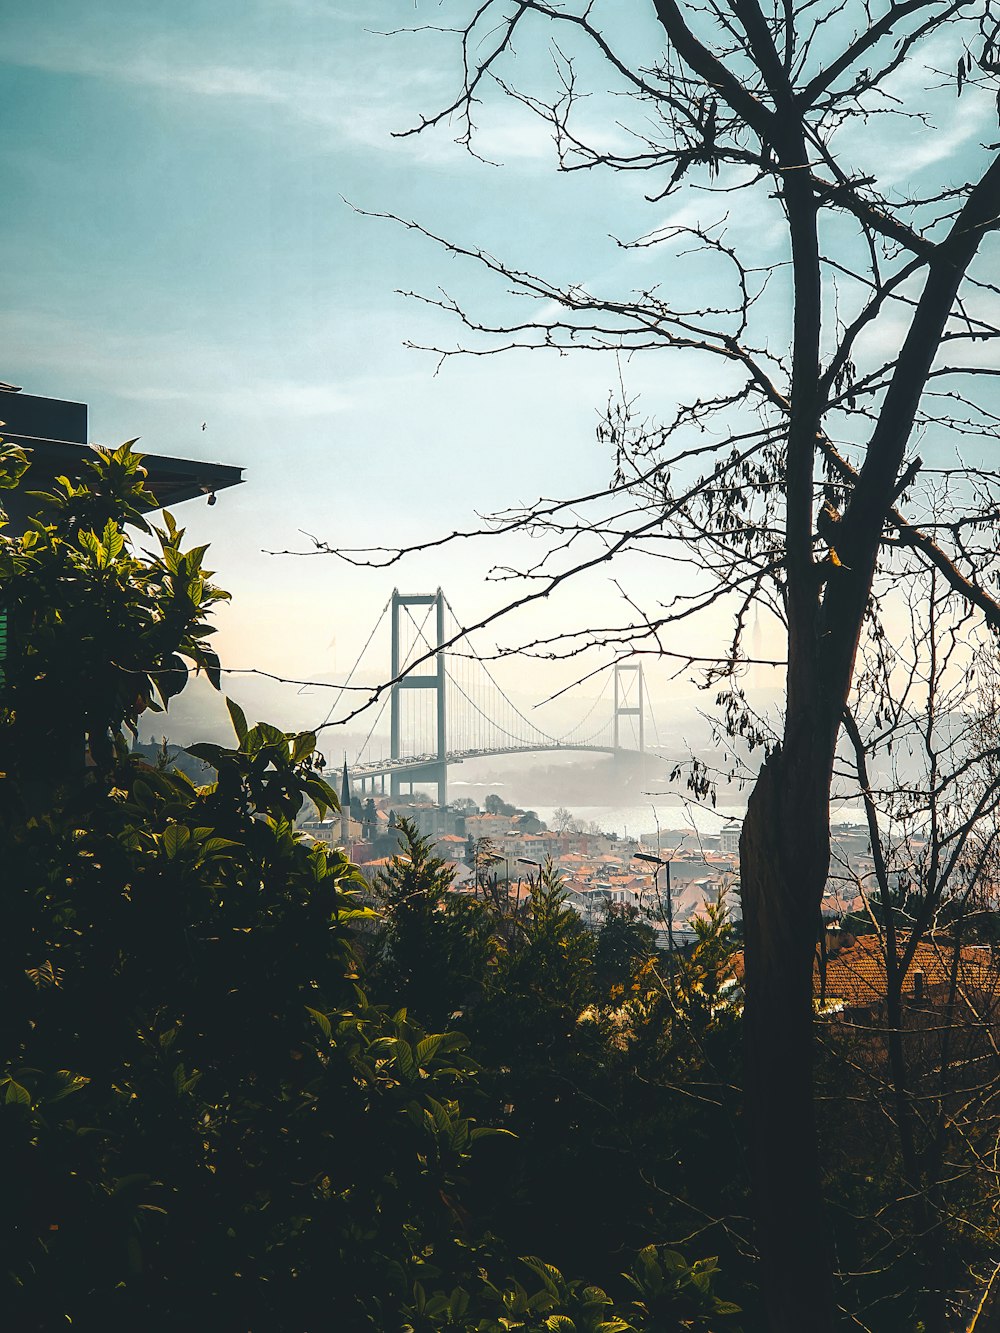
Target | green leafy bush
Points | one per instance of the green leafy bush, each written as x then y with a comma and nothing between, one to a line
217,1110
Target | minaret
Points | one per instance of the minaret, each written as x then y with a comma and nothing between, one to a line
345,808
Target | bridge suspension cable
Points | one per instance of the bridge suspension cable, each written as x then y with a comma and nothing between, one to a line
446,704
649,712
603,729
371,730
357,663
533,728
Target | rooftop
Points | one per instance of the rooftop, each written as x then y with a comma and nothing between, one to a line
856,975
54,433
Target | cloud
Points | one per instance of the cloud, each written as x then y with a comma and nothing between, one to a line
896,146
201,376
737,206
925,148
275,397
359,97
367,101
354,86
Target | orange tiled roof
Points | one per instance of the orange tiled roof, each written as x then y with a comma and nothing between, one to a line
855,974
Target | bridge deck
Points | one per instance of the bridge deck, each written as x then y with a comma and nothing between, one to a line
420,762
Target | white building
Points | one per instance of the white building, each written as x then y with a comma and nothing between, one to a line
729,838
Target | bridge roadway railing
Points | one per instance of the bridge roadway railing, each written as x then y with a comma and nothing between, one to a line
411,762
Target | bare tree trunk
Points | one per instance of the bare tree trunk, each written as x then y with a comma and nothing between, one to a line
785,846
784,857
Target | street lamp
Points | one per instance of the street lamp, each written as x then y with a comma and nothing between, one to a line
527,861
660,861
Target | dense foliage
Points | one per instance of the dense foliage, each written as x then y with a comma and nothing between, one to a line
241,1088
233,1094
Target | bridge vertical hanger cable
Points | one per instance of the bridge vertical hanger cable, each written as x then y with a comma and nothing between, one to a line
484,719
496,695
532,727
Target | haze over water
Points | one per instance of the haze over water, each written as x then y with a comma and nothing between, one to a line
672,816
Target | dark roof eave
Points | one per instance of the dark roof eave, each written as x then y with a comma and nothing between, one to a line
172,480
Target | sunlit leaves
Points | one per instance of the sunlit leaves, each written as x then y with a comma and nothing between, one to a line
238,719
14,1093
670,1288
275,770
246,1129
13,465
105,632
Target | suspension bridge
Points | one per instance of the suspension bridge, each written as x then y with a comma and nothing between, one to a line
446,706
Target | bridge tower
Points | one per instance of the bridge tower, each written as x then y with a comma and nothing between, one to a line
629,698
435,680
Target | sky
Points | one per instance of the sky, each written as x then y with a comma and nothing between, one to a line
185,245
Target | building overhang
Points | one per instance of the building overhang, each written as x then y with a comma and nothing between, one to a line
53,432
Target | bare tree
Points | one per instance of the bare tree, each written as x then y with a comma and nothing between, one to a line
563,820
791,481
924,758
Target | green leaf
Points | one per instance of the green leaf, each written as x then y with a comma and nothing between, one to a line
90,543
174,838
673,1260
263,735
459,1303
322,794
238,719
17,1093
216,846
113,541
440,1115
185,1082
303,746
550,1276
427,1049
321,1021
404,1058
143,794
70,1083
13,465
